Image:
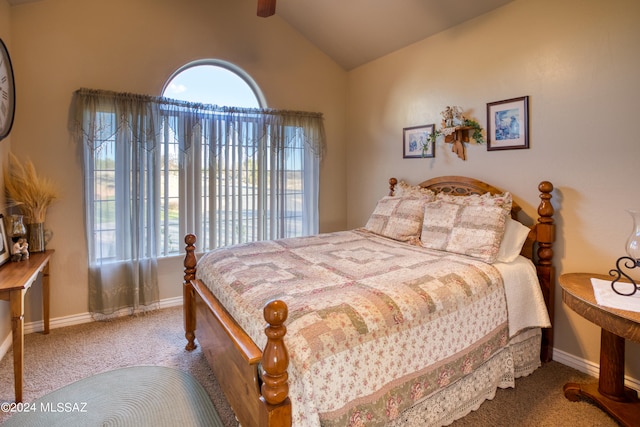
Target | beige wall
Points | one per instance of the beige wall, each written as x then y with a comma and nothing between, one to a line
134,46
577,61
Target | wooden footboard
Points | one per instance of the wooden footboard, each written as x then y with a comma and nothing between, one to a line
255,381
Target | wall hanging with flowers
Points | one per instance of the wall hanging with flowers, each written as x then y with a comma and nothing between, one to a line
455,129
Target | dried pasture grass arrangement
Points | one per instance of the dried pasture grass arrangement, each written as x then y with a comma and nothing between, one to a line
31,193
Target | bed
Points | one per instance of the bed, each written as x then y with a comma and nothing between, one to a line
414,319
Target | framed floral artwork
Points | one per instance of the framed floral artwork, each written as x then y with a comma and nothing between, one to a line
416,142
508,124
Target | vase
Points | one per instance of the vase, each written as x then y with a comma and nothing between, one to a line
36,237
633,243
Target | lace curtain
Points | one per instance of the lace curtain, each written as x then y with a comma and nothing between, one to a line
148,112
133,128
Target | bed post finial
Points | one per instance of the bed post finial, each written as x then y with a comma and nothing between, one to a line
392,186
187,291
275,359
546,227
190,258
545,236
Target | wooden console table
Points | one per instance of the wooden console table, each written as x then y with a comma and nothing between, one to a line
610,392
15,280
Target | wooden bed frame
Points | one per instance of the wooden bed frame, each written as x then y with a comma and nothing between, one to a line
255,380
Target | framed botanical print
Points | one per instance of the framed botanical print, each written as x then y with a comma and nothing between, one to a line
417,142
508,124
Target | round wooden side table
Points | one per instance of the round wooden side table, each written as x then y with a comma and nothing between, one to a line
609,393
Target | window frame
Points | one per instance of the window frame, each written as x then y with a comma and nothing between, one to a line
256,177
262,102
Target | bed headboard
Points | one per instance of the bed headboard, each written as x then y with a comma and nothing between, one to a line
459,186
539,244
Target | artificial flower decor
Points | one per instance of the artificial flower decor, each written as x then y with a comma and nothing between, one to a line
455,129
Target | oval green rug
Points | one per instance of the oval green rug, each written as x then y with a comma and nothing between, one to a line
136,396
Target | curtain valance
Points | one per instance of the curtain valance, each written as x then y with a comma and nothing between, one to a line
144,115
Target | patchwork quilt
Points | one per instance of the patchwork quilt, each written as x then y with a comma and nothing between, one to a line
375,325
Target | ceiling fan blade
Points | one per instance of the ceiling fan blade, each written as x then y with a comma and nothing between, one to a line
266,8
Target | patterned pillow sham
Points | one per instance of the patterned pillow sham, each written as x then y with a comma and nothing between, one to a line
405,190
474,230
503,200
399,218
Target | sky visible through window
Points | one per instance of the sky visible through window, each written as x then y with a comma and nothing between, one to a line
211,84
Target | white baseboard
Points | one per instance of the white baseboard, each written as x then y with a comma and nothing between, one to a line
171,302
76,319
588,367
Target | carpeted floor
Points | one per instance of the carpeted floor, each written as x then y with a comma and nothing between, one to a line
72,353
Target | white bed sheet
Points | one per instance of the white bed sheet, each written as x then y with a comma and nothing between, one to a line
525,302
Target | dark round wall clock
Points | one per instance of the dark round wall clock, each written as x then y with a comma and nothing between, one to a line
7,92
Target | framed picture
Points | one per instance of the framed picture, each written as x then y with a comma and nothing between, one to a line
5,251
414,141
508,124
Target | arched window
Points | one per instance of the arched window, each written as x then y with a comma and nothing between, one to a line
229,173
244,190
157,168
214,82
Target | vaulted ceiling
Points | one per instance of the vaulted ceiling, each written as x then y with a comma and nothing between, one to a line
354,32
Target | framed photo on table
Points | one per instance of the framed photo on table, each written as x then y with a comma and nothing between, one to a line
416,142
508,124
5,251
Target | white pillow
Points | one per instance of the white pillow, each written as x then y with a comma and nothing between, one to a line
515,234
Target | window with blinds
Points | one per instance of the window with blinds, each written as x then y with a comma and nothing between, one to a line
159,168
